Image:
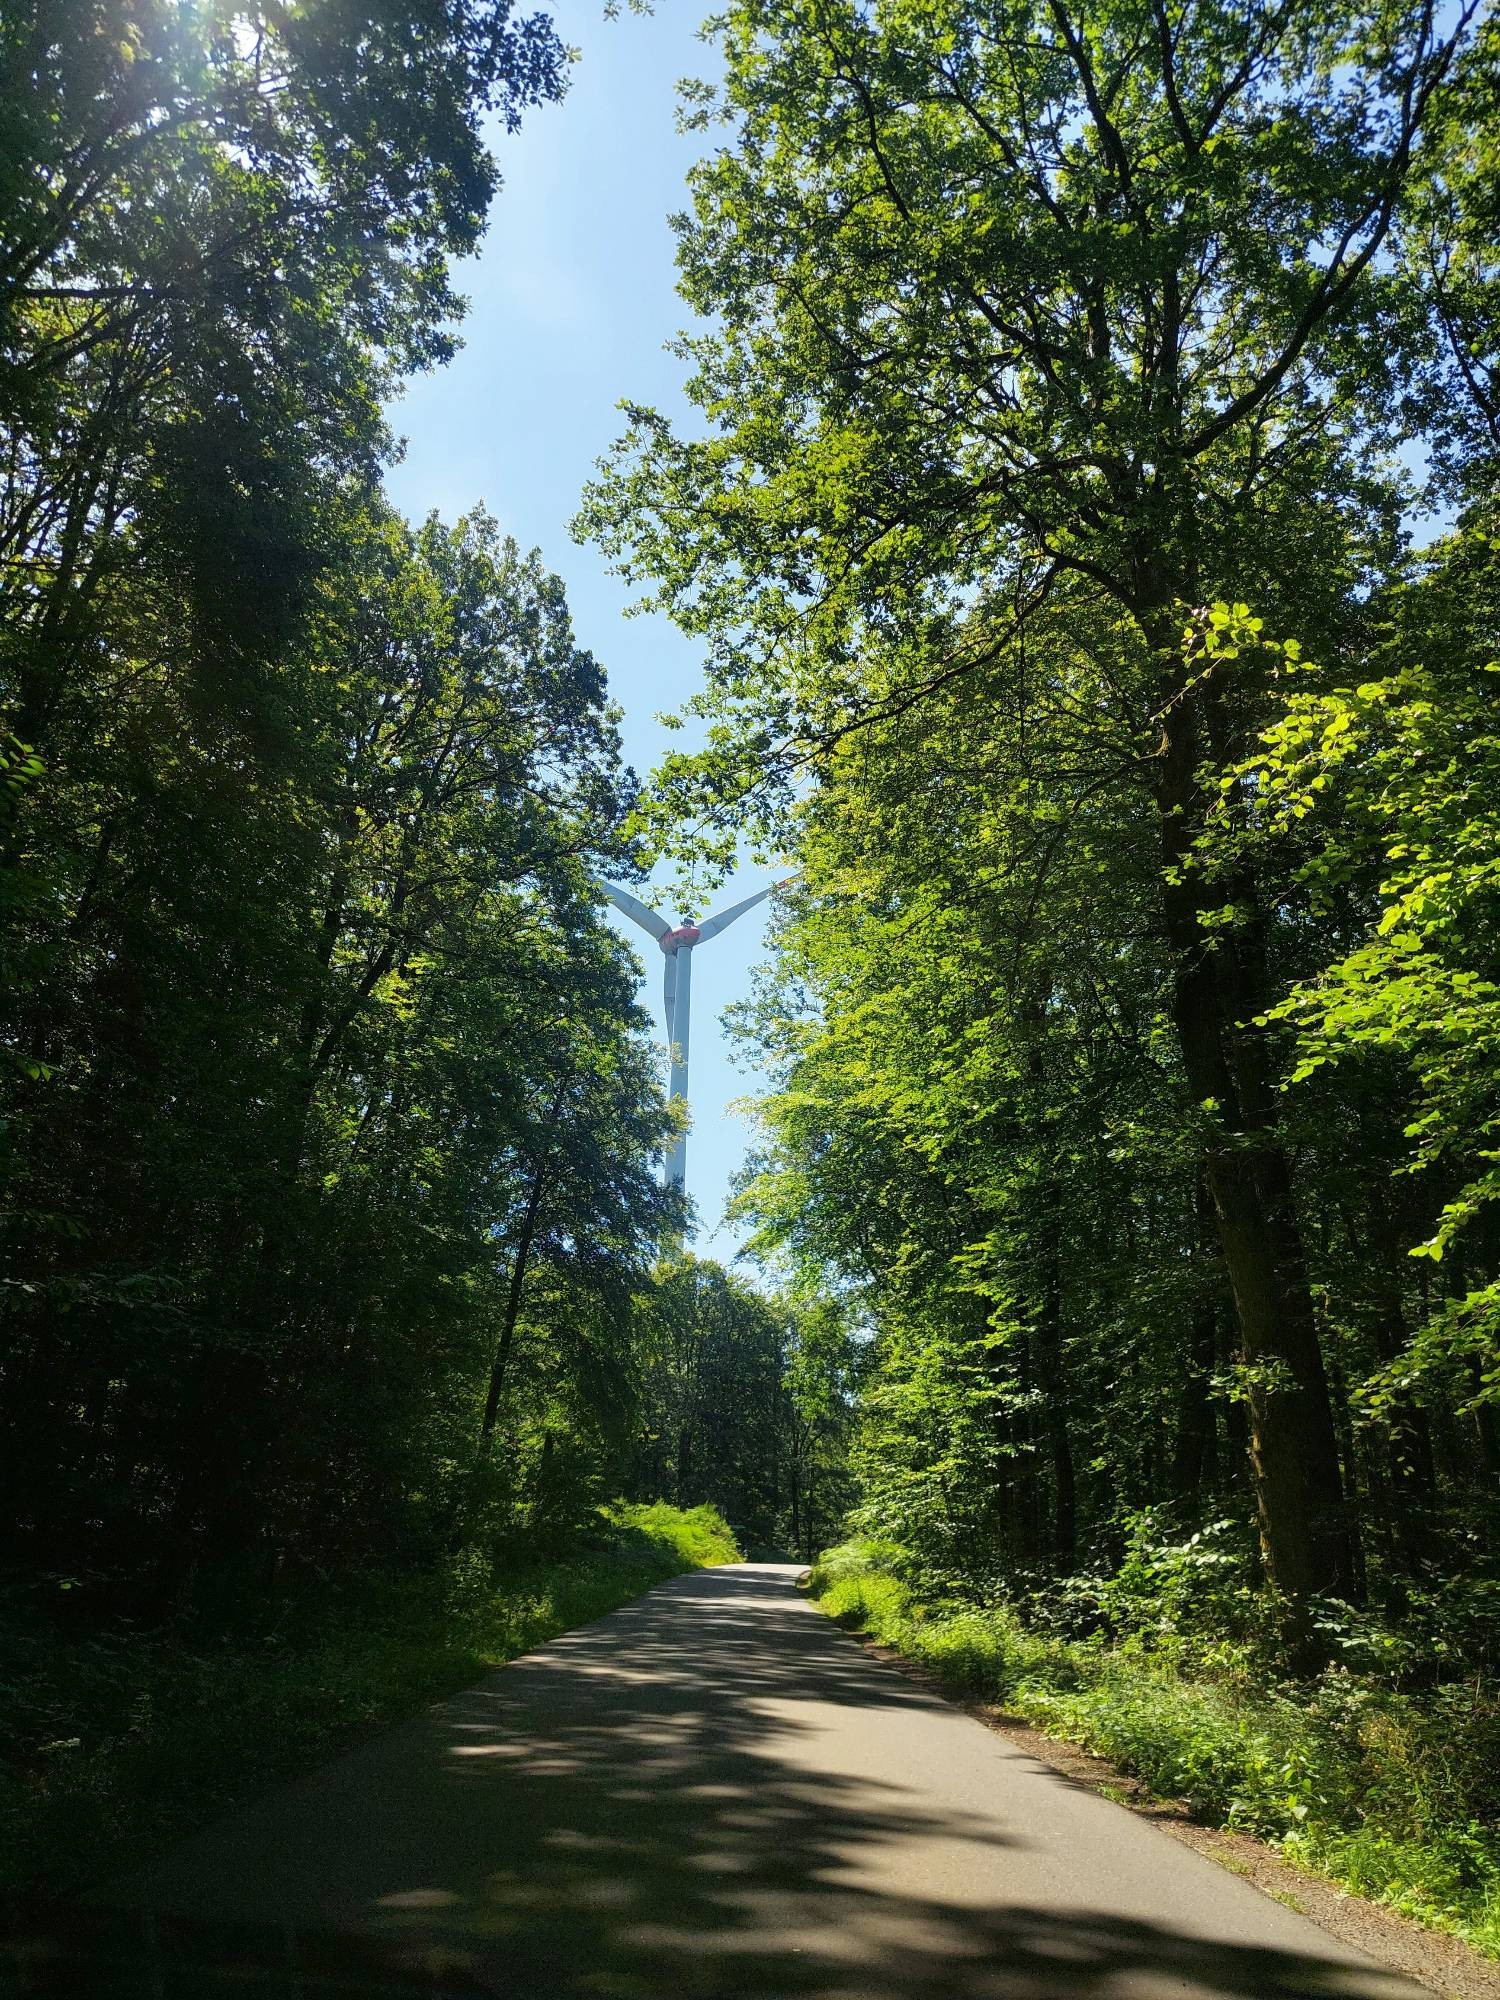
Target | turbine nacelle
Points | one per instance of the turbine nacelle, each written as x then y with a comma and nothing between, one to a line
685,935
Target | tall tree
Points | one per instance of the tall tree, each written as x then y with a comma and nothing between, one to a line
299,1013
222,232
1011,298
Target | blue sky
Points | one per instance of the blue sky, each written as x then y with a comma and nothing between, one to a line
571,302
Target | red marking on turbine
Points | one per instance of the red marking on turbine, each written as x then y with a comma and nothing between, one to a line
685,934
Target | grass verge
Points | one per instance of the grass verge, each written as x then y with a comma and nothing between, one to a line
1388,1794
118,1744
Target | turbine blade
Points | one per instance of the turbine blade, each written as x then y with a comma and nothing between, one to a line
631,907
726,917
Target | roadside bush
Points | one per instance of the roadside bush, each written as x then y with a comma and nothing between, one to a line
699,1535
1393,1793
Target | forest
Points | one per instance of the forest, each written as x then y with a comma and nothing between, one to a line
1089,522
338,1278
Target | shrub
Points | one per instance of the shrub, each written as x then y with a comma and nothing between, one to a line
699,1535
1392,1793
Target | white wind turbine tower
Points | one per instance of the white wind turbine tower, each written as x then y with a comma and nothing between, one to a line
677,945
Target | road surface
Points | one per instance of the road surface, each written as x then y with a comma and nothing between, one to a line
711,1792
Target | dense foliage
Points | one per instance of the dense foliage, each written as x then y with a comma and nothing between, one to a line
745,1404
330,1135
1125,1057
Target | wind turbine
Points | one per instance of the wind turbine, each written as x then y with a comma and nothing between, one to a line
677,945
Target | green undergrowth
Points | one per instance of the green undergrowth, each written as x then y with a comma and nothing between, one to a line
1393,1794
117,1741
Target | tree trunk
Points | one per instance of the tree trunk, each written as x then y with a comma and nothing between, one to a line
1412,1469
1194,1448
1049,1331
518,1269
512,1313
1054,1387
1193,1445
1293,1445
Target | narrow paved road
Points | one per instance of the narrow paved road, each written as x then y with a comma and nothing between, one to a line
712,1792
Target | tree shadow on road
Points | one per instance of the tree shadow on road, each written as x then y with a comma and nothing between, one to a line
636,1813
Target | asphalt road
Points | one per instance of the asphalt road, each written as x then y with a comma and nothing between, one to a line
711,1792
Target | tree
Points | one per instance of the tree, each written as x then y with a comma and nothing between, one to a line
1015,300
224,233
1395,780
300,1014
980,1136
713,1416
